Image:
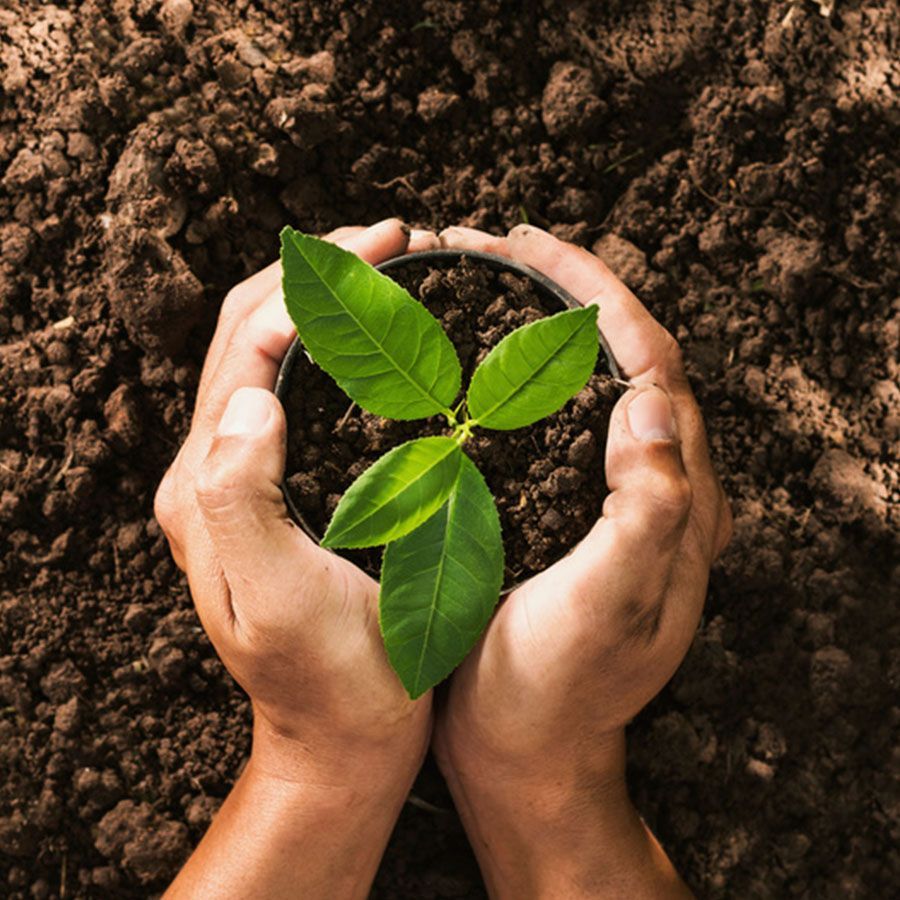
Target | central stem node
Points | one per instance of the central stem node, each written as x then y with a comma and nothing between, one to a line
463,431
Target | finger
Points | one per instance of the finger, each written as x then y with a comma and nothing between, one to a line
650,494
622,569
242,507
371,244
421,239
342,233
646,351
256,347
238,302
458,237
640,344
643,348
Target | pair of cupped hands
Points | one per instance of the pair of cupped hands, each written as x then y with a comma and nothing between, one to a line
530,734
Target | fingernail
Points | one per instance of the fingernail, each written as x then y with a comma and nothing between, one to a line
247,412
405,228
650,415
423,239
446,237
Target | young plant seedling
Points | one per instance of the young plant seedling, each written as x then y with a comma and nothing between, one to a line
442,570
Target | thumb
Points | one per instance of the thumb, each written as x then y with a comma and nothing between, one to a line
239,495
650,494
624,565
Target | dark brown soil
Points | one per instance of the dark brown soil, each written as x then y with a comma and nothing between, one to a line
736,162
547,479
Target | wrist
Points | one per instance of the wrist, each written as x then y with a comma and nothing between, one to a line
559,770
337,771
297,825
564,827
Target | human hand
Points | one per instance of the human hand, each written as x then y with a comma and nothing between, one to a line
532,736
296,625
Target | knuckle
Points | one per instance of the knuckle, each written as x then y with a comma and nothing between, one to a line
672,498
216,485
250,331
674,493
674,355
167,509
256,331
234,306
229,308
165,503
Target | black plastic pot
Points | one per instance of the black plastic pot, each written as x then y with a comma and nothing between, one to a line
554,296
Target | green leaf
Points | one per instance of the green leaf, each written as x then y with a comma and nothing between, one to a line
533,371
382,347
395,494
440,584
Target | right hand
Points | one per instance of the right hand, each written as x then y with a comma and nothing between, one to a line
532,735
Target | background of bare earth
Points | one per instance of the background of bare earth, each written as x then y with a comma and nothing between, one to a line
738,163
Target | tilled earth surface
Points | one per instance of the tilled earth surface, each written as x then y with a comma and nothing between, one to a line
737,164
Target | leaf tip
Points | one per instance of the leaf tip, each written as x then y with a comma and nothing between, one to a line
330,541
415,692
284,236
585,314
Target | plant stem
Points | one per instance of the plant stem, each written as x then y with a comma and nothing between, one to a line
463,431
452,415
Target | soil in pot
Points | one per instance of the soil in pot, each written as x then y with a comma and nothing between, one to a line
547,479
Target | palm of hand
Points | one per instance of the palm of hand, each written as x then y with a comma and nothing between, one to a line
294,624
578,650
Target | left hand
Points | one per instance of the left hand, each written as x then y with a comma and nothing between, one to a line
296,625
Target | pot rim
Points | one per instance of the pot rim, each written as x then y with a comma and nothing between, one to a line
548,288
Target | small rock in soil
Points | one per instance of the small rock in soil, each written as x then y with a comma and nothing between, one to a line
137,618
123,418
625,260
570,103
552,520
760,769
582,451
843,478
434,104
96,791
167,660
68,717
563,480
63,681
789,264
147,844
